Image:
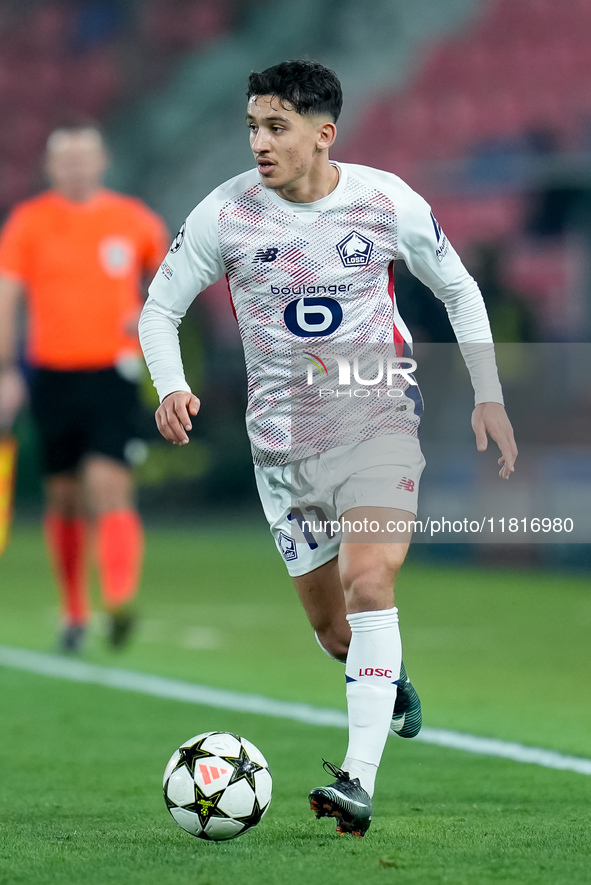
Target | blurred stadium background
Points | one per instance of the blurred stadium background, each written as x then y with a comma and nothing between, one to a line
484,106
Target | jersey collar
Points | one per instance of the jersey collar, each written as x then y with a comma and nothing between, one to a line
311,211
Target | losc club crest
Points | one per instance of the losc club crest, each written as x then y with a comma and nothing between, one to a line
288,547
355,250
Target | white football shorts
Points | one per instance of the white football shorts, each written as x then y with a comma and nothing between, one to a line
304,501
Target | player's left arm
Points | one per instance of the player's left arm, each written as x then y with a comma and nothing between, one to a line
431,258
490,419
192,263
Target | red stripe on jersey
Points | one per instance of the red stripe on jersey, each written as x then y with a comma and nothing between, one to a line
398,337
232,300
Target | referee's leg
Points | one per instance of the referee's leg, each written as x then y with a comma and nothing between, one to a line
107,484
65,532
108,493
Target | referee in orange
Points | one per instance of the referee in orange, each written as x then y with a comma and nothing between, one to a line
78,253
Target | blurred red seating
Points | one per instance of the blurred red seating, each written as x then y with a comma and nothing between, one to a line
177,25
15,183
478,219
43,76
47,29
91,82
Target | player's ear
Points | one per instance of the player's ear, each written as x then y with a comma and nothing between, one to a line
327,132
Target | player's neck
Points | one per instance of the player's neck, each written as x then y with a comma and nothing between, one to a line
314,186
79,195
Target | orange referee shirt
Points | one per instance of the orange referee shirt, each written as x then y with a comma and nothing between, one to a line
81,265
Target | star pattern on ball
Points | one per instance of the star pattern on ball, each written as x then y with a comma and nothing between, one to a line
190,755
252,819
204,807
244,768
226,812
207,807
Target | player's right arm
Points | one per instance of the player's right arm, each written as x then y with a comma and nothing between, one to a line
173,416
13,391
192,263
15,259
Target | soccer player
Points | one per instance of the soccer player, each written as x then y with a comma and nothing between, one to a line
308,246
78,253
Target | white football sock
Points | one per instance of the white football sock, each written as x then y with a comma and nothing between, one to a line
373,666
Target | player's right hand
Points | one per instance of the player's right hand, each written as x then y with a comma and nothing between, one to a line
13,396
173,416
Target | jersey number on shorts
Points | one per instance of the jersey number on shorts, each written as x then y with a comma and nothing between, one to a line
317,520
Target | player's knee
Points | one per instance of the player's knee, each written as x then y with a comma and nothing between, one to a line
335,644
63,496
108,485
371,587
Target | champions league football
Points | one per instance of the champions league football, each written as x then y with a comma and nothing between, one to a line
217,786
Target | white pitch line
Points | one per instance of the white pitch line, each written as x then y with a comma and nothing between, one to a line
174,689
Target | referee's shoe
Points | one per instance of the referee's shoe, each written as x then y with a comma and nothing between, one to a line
407,717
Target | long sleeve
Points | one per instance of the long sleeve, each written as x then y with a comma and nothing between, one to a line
431,258
192,263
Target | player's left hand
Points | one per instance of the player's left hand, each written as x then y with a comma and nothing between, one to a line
490,419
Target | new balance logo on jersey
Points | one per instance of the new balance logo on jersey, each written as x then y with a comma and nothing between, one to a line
266,255
406,484
355,250
210,773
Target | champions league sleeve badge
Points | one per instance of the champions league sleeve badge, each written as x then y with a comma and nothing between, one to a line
178,240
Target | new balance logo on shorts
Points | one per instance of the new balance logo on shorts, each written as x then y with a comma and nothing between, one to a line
209,773
269,254
407,484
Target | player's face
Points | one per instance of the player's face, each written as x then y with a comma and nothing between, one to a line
76,162
288,147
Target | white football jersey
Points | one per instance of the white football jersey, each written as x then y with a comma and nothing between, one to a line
312,287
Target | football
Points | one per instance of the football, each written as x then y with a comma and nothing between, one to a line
217,786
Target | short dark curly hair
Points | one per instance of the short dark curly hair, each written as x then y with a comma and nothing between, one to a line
308,86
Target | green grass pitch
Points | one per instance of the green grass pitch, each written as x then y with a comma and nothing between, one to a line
495,653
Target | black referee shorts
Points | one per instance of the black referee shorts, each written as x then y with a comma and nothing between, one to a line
83,413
